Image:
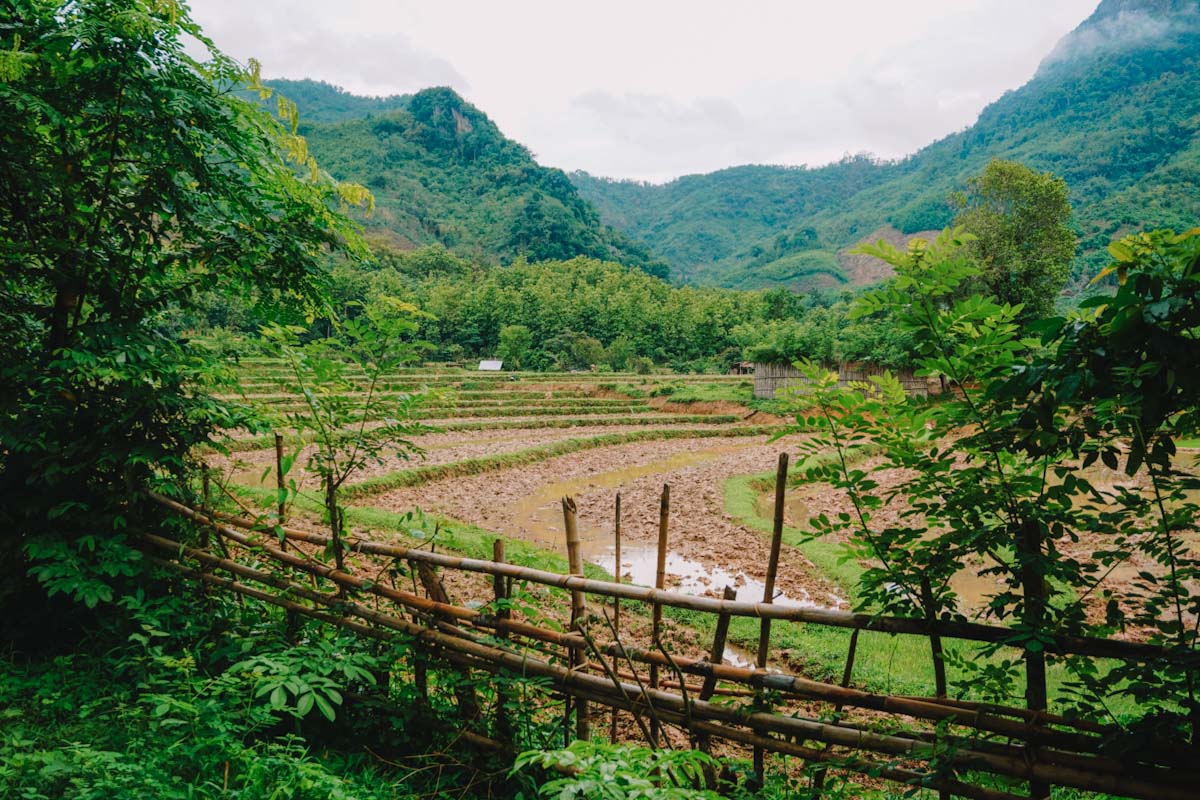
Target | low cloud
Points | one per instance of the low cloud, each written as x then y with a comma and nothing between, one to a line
1121,31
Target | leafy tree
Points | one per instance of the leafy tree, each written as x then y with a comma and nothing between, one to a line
1023,242
515,341
994,477
131,181
350,430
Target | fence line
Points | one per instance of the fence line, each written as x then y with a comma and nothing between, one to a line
1041,748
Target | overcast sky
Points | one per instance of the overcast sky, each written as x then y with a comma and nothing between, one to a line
653,89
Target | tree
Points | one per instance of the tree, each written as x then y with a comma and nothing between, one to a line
132,180
515,341
993,480
1023,244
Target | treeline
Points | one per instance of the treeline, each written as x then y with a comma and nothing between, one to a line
581,313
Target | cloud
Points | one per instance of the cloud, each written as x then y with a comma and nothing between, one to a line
655,90
300,45
1120,31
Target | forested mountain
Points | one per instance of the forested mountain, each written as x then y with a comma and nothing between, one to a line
1113,109
443,173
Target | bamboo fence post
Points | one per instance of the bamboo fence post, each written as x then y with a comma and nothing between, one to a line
660,580
1029,552
503,613
851,651
206,504
578,607
764,636
279,481
715,656
612,730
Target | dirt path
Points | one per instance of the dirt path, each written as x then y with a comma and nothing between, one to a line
707,549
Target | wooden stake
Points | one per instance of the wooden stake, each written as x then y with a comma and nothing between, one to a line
578,607
282,510
500,587
660,580
764,635
1033,586
612,729
935,641
206,499
819,775
715,656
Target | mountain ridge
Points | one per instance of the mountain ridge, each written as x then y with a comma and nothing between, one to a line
1116,118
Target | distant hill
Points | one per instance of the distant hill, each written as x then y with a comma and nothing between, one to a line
1113,109
443,173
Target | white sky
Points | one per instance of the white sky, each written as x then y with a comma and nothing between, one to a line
653,89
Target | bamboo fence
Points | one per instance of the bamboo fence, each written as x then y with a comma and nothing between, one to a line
936,742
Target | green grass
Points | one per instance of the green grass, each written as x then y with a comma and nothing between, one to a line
898,664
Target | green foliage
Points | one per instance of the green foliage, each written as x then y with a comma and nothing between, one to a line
444,174
1022,243
620,772
570,314
350,430
996,473
514,346
132,182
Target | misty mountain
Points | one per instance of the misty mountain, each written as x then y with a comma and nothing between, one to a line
1113,109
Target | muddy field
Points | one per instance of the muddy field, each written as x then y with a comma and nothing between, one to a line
707,550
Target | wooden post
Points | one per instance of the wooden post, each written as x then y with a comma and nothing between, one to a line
206,507
1033,586
819,775
660,580
716,655
279,484
612,729
500,587
578,607
764,635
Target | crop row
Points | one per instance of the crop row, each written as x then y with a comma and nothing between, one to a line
417,476
250,443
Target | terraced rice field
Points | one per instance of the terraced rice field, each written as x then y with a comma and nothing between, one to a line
507,447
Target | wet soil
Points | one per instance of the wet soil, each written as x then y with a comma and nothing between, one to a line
707,549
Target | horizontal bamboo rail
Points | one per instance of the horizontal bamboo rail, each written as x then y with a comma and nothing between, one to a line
1096,774
971,631
788,685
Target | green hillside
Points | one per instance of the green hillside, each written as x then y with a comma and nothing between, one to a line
1113,109
443,173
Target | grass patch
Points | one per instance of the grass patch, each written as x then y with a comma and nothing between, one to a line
893,663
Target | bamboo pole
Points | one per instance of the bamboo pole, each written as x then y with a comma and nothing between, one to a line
971,631
279,484
1161,785
500,591
1033,586
764,636
784,684
660,579
716,655
578,607
616,622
